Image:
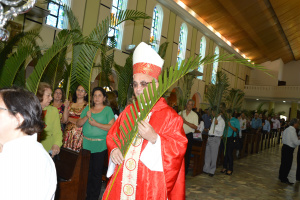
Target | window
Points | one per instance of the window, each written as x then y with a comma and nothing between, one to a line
117,31
157,20
215,66
202,54
182,44
57,17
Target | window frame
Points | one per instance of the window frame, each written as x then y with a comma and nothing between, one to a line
182,41
215,66
159,22
120,27
202,53
60,8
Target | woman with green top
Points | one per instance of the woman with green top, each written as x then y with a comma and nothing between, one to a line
96,123
51,138
233,129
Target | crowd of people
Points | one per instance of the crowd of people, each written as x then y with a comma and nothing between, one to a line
153,168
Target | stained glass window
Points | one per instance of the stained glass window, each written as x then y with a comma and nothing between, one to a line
215,66
202,54
182,44
117,31
155,34
57,17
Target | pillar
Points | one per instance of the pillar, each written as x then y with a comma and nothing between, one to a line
294,108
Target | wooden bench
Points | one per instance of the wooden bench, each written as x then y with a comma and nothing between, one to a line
198,151
72,171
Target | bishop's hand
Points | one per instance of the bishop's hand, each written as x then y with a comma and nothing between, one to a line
147,132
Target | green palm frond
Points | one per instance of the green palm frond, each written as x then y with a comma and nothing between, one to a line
89,52
125,79
55,70
235,99
13,64
217,92
21,39
163,49
73,21
64,39
259,107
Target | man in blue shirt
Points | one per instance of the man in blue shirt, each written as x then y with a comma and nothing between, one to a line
207,121
256,123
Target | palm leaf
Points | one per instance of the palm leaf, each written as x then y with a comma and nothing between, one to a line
55,70
163,49
125,79
88,52
64,39
13,65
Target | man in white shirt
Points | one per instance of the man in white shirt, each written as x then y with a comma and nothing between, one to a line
276,125
190,122
243,123
290,142
212,145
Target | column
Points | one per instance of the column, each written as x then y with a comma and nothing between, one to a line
294,108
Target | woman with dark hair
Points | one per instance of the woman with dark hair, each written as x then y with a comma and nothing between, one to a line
73,134
112,102
58,99
51,138
96,123
26,169
233,130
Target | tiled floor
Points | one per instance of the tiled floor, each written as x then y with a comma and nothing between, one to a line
254,177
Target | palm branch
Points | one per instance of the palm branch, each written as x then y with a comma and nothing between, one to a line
13,64
128,132
124,80
64,39
89,52
163,49
259,107
55,70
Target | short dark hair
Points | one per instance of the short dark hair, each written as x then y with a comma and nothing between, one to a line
74,98
41,90
63,97
103,93
25,103
293,121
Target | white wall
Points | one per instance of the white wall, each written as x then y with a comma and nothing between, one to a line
291,73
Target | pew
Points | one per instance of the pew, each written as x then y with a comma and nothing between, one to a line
72,172
198,151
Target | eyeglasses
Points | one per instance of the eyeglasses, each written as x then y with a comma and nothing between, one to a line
78,90
3,109
143,84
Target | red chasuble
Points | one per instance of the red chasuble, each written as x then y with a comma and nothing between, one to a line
169,184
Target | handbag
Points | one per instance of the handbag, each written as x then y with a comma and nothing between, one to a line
235,141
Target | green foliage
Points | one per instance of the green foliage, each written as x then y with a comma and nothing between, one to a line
124,80
88,52
64,39
216,93
163,49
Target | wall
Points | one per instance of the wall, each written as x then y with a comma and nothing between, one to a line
291,72
92,12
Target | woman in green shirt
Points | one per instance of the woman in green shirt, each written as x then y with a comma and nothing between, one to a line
96,123
51,138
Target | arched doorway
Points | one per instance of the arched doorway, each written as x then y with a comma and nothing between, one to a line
173,99
197,98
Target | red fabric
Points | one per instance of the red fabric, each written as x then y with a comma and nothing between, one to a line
150,184
147,68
